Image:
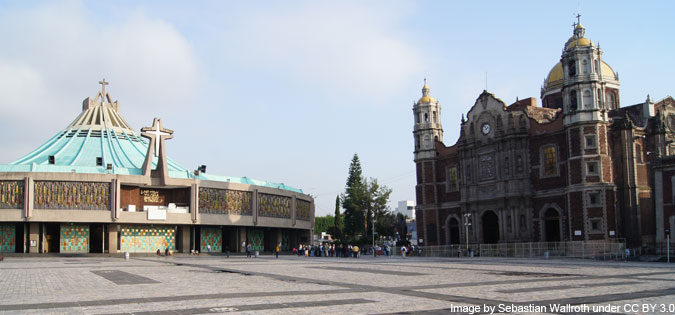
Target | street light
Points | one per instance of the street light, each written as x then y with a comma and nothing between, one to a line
374,251
467,223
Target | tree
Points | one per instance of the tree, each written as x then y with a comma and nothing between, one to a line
321,224
336,229
352,200
362,200
376,201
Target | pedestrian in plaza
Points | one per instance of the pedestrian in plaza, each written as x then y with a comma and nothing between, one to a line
356,251
159,253
167,252
403,251
248,250
227,251
459,251
208,248
276,252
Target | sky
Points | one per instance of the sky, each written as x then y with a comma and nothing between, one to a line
289,91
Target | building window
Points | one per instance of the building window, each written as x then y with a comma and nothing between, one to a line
593,199
550,161
435,118
638,153
610,100
590,142
573,100
596,225
452,178
417,118
571,68
426,117
588,99
468,173
592,168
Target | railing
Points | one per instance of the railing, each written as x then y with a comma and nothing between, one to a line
574,249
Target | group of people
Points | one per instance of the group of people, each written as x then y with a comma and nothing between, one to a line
167,252
411,250
338,250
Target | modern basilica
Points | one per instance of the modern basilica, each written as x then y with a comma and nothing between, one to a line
98,186
580,167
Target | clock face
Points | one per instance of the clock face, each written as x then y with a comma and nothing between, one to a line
485,128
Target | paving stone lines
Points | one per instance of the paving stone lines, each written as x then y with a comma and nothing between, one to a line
370,270
298,285
253,307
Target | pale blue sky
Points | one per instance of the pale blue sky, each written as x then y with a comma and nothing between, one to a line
288,91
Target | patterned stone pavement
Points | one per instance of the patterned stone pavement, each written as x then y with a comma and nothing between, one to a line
93,284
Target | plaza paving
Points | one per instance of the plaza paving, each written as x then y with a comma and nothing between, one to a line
305,285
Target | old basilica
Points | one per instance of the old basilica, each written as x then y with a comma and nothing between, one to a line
581,167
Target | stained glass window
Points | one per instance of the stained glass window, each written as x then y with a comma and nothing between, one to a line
452,178
550,161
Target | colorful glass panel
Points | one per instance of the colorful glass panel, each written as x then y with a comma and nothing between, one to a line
302,210
7,238
211,236
146,238
72,195
257,239
550,161
274,206
225,201
452,177
74,238
11,194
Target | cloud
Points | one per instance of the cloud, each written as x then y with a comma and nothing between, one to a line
345,49
54,54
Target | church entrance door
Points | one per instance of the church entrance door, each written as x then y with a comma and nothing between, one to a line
552,225
454,231
490,222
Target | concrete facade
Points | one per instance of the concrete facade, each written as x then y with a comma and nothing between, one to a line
62,197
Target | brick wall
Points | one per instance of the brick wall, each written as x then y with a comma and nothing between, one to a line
575,142
577,214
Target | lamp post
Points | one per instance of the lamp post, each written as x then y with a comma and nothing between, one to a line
374,251
467,223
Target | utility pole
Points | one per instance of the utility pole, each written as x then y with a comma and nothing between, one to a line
467,223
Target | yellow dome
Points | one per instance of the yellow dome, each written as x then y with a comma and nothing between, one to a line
579,26
555,76
582,41
426,99
607,71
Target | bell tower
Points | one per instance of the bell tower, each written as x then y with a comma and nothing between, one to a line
590,87
428,129
589,92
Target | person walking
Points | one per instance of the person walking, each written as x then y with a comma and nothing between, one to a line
403,251
276,252
248,250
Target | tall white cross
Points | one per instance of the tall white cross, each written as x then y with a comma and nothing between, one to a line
155,133
103,84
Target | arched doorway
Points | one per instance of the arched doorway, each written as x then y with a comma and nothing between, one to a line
490,223
454,231
551,225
